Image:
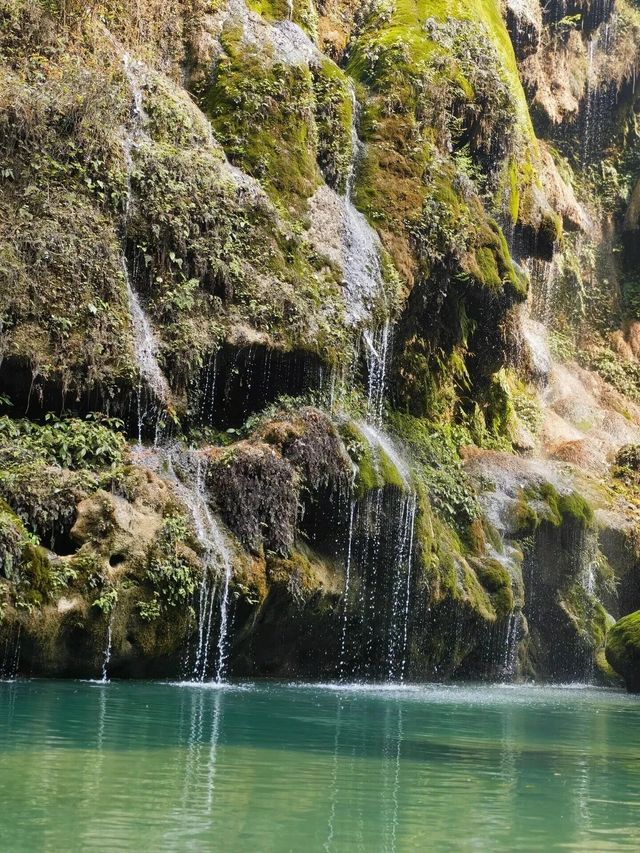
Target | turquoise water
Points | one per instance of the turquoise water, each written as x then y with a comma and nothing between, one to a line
276,767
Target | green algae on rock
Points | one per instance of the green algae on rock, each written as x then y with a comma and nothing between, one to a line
623,650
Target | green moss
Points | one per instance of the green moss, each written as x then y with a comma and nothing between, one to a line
367,478
550,507
375,469
262,113
302,575
488,268
575,507
623,650
302,12
37,571
388,470
525,519
490,264
333,110
435,458
495,578
514,191
430,68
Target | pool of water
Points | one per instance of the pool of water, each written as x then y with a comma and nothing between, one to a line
279,767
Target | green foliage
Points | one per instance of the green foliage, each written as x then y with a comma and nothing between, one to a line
624,375
171,572
526,406
149,610
629,457
95,442
333,112
569,21
561,346
106,601
435,458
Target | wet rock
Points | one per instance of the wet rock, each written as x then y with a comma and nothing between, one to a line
524,22
623,650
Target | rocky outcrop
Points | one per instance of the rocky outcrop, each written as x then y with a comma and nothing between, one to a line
314,257
623,650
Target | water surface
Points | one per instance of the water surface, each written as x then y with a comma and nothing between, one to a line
276,767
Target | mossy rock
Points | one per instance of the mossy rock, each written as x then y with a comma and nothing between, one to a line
496,579
629,457
543,503
623,650
374,467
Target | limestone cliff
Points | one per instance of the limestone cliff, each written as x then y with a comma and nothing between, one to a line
318,337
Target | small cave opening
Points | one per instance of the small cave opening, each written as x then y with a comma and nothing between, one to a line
59,540
236,382
116,560
33,395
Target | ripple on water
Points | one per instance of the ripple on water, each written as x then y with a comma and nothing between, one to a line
335,767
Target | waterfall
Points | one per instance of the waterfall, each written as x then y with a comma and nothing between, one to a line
146,351
512,638
399,625
218,566
189,486
145,343
379,571
544,289
377,355
11,657
108,649
347,581
217,559
599,99
379,441
589,103
360,243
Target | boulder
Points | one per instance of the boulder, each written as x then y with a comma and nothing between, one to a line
623,650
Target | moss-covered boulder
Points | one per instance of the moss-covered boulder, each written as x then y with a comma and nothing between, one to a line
623,650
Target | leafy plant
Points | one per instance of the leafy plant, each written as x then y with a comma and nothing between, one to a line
107,601
172,575
95,442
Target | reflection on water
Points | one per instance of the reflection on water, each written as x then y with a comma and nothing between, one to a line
273,767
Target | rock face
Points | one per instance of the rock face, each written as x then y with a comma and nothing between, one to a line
318,338
623,650
524,21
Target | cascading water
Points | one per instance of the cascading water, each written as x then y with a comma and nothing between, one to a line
10,660
399,627
599,99
377,350
108,649
190,487
146,352
544,282
378,577
347,588
145,343
341,232
512,638
381,525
